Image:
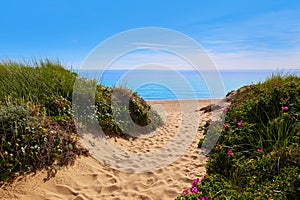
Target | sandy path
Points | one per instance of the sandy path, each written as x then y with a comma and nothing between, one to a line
90,179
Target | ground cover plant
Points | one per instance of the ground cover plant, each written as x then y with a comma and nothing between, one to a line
37,126
257,155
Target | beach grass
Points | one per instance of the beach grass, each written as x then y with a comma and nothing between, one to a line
35,82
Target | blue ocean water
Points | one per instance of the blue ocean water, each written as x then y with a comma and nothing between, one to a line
181,85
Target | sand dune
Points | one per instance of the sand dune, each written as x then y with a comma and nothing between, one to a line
88,178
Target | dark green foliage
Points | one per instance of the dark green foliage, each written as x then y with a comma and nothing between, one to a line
123,111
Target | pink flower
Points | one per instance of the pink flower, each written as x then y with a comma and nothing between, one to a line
259,150
225,109
229,152
195,181
275,84
194,190
186,191
284,108
235,120
240,124
226,127
204,198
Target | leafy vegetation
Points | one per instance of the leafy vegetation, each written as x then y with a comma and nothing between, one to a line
257,155
37,128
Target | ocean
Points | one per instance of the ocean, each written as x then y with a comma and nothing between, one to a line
178,85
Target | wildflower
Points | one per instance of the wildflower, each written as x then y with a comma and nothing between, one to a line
225,109
240,124
186,191
195,181
284,108
204,198
275,84
229,152
194,190
226,127
259,150
235,120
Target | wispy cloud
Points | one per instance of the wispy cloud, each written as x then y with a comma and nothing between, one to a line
266,40
263,32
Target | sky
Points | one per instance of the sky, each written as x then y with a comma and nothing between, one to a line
249,34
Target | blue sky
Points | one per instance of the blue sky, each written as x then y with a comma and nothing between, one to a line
236,34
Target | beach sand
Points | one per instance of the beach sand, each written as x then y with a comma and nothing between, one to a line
88,178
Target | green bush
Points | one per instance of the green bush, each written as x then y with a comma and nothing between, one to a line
30,141
119,111
258,154
119,107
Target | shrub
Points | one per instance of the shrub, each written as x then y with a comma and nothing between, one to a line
257,155
124,111
30,141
